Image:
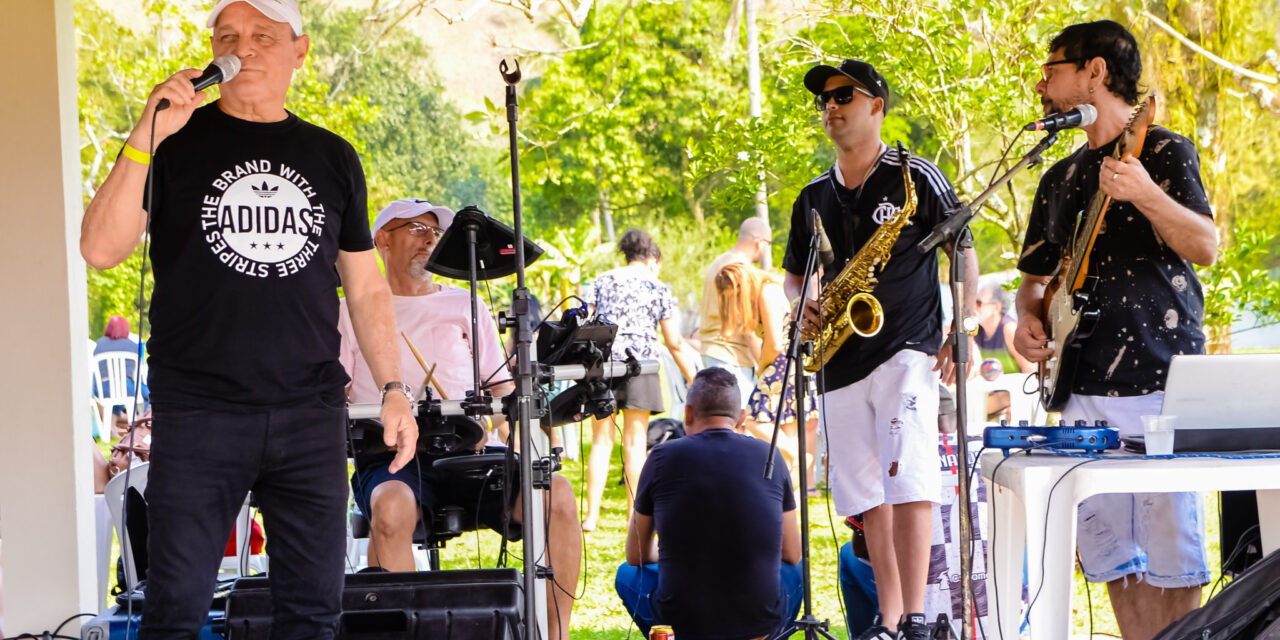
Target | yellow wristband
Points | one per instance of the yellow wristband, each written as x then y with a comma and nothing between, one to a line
140,157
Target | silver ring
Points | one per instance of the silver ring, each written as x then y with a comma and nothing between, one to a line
1115,176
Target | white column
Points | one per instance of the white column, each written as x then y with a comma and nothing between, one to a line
46,490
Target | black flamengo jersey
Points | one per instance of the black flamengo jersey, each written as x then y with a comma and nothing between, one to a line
246,226
908,286
1152,307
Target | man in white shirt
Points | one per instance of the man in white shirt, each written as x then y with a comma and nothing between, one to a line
434,317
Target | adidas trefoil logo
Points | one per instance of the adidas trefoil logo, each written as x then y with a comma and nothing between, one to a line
265,191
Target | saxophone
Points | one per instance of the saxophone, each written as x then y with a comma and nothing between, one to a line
848,306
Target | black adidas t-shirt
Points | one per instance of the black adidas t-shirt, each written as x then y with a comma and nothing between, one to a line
248,220
908,288
1152,307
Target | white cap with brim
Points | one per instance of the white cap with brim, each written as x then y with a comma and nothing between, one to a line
285,11
412,208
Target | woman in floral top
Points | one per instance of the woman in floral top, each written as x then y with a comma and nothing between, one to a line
632,298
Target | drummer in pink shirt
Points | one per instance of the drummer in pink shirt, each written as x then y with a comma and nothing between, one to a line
435,318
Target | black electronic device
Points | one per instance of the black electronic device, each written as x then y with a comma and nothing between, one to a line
495,248
575,340
437,435
478,604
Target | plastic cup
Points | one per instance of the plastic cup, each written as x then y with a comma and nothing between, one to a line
1157,431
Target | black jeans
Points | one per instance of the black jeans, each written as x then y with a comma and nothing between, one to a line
203,463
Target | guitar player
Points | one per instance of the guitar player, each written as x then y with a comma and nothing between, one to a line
1148,548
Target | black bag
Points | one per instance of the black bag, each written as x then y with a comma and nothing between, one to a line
662,430
1247,609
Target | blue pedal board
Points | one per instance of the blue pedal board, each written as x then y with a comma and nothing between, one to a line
1081,437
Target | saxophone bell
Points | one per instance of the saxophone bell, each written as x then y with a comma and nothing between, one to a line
865,315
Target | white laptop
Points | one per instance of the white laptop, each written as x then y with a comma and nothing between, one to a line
1224,402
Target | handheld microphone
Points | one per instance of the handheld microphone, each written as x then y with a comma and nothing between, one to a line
826,255
222,69
1082,115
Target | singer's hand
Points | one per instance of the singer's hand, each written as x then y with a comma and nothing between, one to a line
1127,181
399,429
183,100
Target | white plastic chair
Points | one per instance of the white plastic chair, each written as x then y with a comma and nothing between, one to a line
113,494
111,373
115,490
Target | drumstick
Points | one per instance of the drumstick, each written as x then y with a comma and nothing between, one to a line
431,378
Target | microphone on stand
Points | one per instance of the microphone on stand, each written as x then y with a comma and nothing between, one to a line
826,255
222,69
1082,115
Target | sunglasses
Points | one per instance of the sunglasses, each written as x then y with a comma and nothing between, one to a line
419,230
842,95
1044,68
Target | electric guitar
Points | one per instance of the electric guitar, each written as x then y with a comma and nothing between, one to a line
1069,314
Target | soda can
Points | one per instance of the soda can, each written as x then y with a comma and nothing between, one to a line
661,632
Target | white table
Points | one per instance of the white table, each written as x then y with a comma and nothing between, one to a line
1019,511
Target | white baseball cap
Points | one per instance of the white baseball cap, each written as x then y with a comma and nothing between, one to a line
412,208
279,10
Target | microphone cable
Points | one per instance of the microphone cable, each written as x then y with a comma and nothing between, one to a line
126,540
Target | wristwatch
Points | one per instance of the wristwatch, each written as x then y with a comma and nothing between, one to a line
970,325
396,385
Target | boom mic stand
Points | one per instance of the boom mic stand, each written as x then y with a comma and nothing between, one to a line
811,626
955,229
523,407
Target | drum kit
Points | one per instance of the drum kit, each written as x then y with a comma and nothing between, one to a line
478,247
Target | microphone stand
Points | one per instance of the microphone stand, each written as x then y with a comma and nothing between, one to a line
797,348
955,229
523,406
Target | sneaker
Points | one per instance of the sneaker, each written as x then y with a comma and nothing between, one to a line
877,631
914,627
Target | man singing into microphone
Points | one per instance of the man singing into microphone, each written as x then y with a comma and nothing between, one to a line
880,403
252,210
1148,548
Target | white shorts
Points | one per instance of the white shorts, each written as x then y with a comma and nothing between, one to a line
1156,536
883,436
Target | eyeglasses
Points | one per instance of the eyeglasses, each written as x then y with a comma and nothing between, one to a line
419,230
842,95
1044,68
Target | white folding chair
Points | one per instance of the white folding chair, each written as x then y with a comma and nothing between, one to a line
114,492
111,374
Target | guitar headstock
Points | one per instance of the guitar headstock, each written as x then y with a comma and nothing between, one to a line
1135,131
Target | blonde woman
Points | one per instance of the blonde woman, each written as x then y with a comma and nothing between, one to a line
752,302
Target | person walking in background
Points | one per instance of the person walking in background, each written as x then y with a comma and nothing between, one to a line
739,354
752,303
633,298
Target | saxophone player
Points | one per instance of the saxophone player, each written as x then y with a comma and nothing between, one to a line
880,391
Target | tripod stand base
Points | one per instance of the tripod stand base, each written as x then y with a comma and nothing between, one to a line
810,626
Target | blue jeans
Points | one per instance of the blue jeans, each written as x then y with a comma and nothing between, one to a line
858,586
635,586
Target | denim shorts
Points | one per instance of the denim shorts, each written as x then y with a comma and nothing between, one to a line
1159,537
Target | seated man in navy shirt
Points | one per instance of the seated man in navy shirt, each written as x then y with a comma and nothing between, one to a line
730,544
